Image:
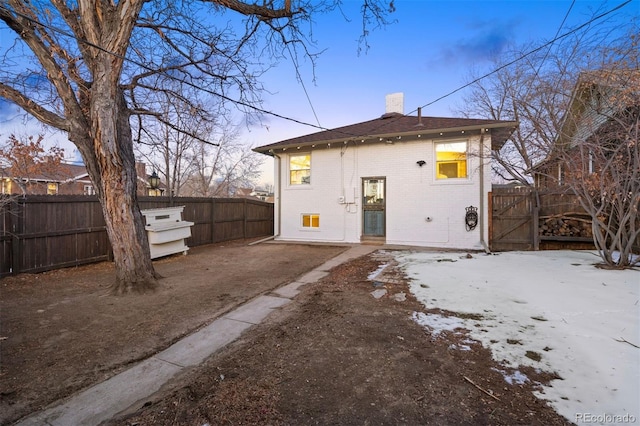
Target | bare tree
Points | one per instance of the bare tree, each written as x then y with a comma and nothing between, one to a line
169,147
84,67
532,84
599,155
219,169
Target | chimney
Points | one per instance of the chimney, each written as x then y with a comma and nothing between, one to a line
395,103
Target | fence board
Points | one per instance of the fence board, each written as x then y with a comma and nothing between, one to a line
40,233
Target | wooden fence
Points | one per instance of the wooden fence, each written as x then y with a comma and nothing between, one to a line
41,233
523,219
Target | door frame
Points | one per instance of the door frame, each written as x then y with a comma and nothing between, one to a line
374,207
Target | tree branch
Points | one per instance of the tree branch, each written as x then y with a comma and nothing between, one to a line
40,113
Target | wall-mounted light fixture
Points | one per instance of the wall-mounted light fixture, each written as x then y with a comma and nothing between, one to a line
421,163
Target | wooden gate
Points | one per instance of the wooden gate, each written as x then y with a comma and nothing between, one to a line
513,223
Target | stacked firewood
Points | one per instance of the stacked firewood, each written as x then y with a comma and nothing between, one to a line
565,226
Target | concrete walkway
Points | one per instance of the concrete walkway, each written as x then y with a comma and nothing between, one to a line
131,387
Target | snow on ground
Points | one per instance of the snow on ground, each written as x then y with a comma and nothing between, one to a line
554,306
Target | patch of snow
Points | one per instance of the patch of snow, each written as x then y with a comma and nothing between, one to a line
633,258
516,377
373,275
457,347
552,310
438,323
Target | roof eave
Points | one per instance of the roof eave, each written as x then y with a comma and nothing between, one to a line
382,137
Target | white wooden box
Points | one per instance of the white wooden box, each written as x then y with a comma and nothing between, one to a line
166,231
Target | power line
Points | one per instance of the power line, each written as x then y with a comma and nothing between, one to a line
296,66
148,68
318,126
602,15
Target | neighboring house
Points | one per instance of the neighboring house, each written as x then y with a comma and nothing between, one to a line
67,179
598,97
397,179
254,194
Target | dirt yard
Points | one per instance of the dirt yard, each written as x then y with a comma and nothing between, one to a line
337,355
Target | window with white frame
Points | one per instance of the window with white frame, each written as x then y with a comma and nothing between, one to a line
300,169
310,220
89,190
451,160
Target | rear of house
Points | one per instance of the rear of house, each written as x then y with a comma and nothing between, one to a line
398,179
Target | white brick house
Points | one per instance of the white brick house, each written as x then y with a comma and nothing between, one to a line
397,179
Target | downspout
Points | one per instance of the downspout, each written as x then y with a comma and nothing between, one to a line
278,202
482,194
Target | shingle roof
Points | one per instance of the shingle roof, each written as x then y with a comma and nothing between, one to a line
393,125
60,173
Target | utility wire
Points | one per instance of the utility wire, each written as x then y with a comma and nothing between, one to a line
537,49
299,77
535,76
318,126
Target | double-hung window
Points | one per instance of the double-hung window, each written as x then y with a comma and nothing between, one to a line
300,169
451,160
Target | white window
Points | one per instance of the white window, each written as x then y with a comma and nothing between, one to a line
300,169
310,220
89,190
451,160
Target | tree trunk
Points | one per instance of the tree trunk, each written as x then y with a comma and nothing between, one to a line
111,164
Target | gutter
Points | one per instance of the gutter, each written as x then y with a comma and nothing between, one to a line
482,194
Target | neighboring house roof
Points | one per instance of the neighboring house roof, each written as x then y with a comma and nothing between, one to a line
399,125
62,173
244,192
597,96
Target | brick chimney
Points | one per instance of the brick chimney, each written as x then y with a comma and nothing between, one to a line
394,103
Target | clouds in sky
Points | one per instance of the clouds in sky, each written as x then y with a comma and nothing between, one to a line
482,42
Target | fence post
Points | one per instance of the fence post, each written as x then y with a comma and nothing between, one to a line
17,225
535,220
213,220
244,224
490,219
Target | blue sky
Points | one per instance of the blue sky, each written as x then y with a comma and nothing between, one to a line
426,53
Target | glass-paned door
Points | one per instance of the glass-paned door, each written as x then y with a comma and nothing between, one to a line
373,207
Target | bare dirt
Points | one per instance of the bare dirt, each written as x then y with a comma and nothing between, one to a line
335,355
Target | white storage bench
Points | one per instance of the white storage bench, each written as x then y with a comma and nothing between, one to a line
166,231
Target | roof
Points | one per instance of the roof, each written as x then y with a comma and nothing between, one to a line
397,125
624,93
62,172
